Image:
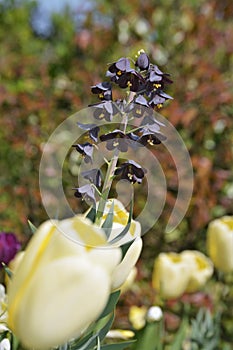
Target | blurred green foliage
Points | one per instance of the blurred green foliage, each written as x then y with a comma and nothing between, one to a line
46,78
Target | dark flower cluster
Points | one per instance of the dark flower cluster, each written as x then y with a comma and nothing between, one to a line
146,83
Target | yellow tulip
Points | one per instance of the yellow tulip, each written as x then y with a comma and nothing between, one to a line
137,316
220,243
200,269
170,275
61,286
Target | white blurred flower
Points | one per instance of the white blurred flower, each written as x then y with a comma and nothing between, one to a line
5,344
154,314
3,309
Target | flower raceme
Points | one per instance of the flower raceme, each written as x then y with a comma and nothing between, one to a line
220,243
175,274
63,284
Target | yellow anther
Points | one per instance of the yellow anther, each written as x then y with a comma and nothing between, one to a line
157,85
138,111
130,176
101,116
129,84
115,143
119,72
160,105
101,95
141,51
151,143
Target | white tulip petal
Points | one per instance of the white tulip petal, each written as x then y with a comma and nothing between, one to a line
61,302
122,271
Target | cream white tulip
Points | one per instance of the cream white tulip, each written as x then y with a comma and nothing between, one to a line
220,243
64,280
122,271
127,285
60,287
170,275
200,269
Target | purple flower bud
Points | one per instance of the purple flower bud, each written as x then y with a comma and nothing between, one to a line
9,246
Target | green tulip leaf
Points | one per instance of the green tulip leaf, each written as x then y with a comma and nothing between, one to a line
105,329
150,337
119,346
126,229
112,301
107,225
180,336
124,248
32,227
7,270
92,214
98,344
87,343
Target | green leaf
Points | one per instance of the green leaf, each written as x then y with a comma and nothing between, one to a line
32,227
7,270
113,299
14,342
180,336
107,225
124,248
3,335
98,344
92,214
104,330
126,229
119,346
150,337
87,345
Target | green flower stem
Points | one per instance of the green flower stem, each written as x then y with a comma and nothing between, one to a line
111,169
106,187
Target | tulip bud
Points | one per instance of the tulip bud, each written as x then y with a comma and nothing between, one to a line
120,220
170,275
200,268
220,243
